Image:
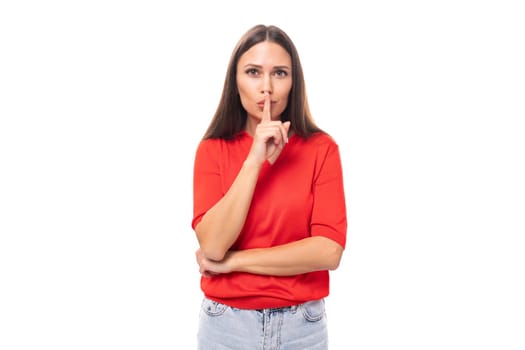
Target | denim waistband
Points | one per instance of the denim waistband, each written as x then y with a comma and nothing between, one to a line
292,308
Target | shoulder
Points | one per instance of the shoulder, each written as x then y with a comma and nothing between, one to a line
319,140
209,143
208,149
217,146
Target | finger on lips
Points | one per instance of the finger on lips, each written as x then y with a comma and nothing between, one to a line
267,115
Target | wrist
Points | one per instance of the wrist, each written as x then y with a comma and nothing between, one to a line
234,261
251,163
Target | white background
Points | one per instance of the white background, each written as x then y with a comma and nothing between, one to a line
102,104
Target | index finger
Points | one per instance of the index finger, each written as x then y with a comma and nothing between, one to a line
267,115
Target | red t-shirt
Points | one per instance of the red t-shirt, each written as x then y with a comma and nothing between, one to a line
299,196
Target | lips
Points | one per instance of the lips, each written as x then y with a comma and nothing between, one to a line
261,103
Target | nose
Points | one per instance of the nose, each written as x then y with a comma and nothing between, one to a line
267,84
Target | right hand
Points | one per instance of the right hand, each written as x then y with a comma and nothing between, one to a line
270,136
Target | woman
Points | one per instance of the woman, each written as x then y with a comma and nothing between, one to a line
269,205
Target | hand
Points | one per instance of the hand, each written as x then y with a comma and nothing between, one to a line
270,136
210,268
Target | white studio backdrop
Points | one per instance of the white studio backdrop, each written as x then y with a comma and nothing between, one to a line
102,104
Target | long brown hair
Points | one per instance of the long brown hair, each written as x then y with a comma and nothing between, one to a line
230,116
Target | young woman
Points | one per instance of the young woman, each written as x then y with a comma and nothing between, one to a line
269,205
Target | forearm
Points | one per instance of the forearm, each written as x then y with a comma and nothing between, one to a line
221,225
307,255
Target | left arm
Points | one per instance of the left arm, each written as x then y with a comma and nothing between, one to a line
306,255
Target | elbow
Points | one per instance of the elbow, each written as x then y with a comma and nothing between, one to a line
334,264
213,253
334,259
330,253
212,250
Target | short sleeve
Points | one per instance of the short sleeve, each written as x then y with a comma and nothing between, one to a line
207,189
329,217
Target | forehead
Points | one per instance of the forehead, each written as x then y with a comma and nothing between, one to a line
266,53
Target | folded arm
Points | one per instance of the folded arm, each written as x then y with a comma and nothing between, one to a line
306,255
221,225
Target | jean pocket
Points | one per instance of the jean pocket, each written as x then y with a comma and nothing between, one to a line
313,311
212,308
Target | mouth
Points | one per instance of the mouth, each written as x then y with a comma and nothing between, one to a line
261,103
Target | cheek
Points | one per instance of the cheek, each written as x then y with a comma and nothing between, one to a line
284,95
244,98
243,90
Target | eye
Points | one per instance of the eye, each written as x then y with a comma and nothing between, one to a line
252,71
281,73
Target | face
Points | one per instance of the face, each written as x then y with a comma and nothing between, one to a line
264,67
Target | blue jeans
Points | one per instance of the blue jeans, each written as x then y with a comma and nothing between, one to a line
300,327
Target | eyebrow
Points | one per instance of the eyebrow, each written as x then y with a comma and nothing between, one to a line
259,66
